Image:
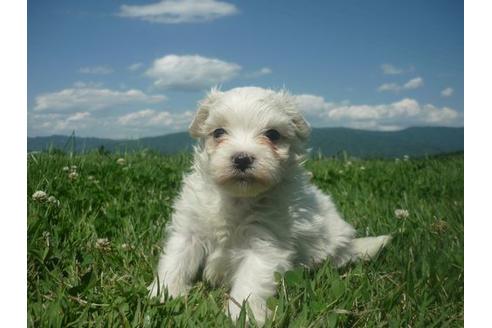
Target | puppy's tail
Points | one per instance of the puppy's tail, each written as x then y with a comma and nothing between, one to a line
368,247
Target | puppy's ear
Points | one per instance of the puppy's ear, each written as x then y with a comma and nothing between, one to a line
303,129
289,104
196,127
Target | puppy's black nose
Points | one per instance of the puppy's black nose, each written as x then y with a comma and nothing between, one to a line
242,161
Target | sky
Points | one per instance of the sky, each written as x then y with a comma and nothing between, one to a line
129,69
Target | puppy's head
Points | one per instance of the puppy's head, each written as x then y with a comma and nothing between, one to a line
250,138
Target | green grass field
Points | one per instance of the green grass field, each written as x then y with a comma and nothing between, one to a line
92,247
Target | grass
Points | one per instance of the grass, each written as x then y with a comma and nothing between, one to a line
91,256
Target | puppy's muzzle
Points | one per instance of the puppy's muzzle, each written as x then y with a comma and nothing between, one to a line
242,161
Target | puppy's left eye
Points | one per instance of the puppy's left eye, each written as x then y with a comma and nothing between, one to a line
218,133
272,134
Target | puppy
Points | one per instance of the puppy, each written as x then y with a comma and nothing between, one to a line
247,209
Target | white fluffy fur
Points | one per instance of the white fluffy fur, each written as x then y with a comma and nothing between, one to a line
240,228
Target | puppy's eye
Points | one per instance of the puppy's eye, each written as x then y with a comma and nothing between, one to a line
272,134
219,133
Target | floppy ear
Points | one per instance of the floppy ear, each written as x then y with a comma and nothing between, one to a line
302,127
289,104
196,127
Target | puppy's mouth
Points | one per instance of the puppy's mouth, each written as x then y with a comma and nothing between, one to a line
244,178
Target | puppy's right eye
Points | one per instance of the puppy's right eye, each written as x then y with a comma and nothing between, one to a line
219,133
273,135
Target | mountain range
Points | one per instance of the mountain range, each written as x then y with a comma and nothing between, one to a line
415,142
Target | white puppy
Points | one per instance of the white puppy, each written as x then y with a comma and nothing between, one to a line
247,209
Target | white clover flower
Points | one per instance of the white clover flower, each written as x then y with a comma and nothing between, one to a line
46,235
103,244
406,157
90,177
73,167
310,175
73,175
401,213
53,200
340,171
362,168
439,225
126,247
39,196
121,161
348,163
66,168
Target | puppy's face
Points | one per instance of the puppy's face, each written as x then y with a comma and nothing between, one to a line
250,138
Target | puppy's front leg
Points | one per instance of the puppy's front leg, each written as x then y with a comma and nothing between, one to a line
178,265
254,281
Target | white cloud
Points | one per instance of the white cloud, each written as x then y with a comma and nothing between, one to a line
448,92
135,66
179,11
79,116
261,72
154,118
389,69
393,116
313,105
96,70
404,108
414,83
439,115
89,98
145,122
409,85
60,123
389,87
82,84
190,72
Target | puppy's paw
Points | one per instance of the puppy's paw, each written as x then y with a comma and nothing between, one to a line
157,289
257,307
368,247
233,308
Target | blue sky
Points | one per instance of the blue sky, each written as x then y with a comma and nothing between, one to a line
127,69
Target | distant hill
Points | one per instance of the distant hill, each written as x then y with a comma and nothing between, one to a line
418,141
170,143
